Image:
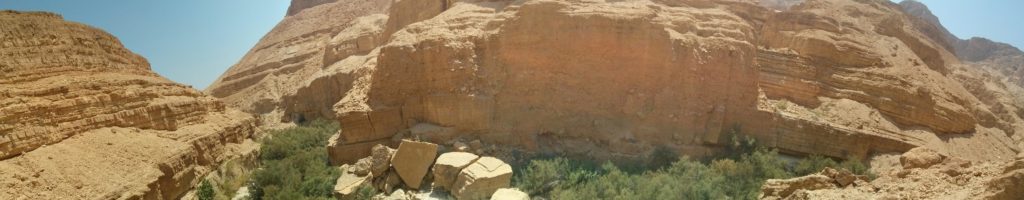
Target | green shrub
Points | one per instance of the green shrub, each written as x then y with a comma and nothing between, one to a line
205,191
737,174
365,192
294,164
813,164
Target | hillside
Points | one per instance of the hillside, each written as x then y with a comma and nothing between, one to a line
81,117
616,80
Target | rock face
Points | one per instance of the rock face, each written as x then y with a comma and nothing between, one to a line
482,178
983,53
951,178
617,80
81,117
285,76
412,161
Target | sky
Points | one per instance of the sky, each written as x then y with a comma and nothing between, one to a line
188,41
998,20
194,41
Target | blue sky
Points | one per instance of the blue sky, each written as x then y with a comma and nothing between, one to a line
188,41
999,20
194,41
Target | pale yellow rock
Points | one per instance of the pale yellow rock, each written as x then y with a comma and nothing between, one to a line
920,157
482,178
509,194
348,184
449,165
782,189
412,161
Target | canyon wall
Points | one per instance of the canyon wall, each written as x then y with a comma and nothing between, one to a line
277,79
82,117
617,80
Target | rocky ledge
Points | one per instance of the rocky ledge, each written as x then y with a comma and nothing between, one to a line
81,117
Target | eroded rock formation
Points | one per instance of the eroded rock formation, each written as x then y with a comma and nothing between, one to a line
81,117
944,178
288,74
620,79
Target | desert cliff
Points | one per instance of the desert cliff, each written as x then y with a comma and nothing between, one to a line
81,117
616,80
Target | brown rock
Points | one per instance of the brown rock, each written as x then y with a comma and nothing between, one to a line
482,178
920,157
449,165
434,133
836,73
380,157
412,160
361,167
509,194
295,53
842,177
387,182
782,189
86,118
339,152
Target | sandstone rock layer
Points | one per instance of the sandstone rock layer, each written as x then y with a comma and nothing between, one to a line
617,80
81,117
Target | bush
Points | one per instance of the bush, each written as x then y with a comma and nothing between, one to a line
737,174
205,191
294,164
816,163
365,192
813,164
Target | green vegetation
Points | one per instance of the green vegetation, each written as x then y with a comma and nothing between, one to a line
366,192
736,174
294,165
205,191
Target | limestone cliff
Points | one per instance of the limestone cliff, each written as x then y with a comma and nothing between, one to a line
620,79
277,79
996,57
81,117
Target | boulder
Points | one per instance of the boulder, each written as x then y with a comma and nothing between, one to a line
413,160
482,178
842,177
348,185
509,194
387,182
781,189
397,195
361,167
448,166
920,157
380,159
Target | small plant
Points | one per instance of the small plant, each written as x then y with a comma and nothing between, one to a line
205,191
365,192
813,164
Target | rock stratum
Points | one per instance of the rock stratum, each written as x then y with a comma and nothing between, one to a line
81,117
617,80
